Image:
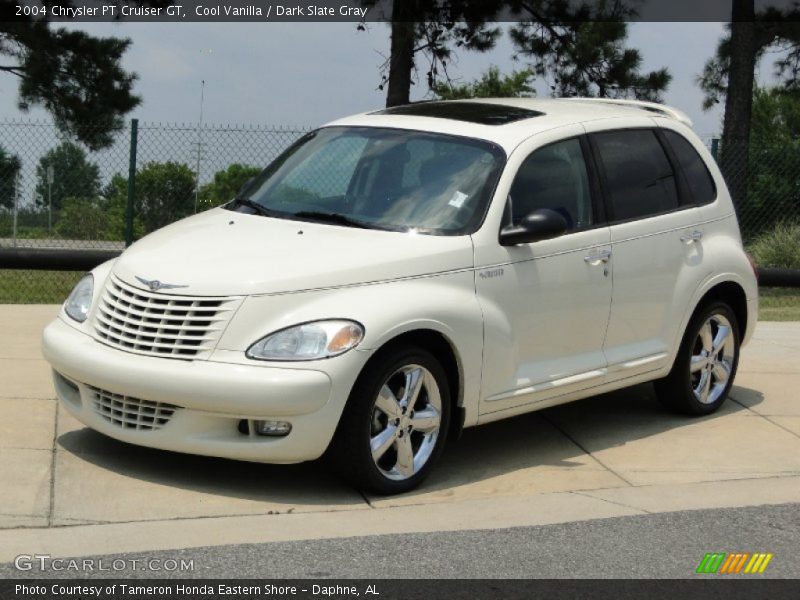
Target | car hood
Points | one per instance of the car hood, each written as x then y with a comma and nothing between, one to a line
219,252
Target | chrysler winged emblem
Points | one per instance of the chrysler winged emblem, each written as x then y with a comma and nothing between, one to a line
155,284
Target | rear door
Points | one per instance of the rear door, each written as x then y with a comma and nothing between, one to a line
656,245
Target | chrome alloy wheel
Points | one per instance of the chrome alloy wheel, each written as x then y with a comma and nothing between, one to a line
406,420
712,359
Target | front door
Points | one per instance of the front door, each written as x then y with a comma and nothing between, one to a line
546,304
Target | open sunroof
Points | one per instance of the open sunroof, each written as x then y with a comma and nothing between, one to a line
473,112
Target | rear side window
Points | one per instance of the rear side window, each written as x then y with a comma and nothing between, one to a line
639,177
694,168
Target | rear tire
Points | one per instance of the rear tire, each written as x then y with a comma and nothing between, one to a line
395,424
706,364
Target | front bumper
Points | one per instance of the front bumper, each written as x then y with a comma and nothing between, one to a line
213,397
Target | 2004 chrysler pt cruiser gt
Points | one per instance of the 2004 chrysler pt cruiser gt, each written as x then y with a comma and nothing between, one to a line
398,275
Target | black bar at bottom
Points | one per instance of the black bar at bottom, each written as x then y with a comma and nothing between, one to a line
707,587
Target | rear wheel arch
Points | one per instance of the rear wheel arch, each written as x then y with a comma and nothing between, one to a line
729,292
706,361
732,294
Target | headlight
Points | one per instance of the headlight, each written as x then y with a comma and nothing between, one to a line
310,341
80,300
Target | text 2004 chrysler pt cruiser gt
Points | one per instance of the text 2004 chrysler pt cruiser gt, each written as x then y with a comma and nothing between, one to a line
398,275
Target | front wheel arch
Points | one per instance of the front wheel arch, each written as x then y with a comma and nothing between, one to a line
376,390
443,349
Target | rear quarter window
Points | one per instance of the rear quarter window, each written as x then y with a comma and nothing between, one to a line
694,168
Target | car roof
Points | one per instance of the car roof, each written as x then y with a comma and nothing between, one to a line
506,121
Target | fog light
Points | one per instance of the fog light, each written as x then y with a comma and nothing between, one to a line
273,428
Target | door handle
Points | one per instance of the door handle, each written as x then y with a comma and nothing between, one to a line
691,238
602,256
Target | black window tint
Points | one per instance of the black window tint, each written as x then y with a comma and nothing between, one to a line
694,168
639,177
554,177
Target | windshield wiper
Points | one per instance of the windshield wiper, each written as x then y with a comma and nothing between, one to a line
262,210
334,218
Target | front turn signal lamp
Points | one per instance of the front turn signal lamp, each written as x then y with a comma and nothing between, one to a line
308,341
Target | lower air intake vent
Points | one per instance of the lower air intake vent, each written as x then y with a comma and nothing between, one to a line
131,413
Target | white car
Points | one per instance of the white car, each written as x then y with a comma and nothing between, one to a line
398,275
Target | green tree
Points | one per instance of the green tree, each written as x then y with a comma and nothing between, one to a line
76,77
82,219
73,175
579,48
115,204
9,169
490,85
226,184
427,33
730,76
772,195
164,193
775,117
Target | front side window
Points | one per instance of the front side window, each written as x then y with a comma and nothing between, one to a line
639,178
380,178
554,177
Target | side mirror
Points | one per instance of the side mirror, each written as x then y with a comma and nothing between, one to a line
541,224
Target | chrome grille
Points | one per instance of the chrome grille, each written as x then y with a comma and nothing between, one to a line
156,324
131,413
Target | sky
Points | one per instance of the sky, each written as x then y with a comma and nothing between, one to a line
305,74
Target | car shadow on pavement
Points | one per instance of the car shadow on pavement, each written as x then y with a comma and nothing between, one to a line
283,486
541,445
546,444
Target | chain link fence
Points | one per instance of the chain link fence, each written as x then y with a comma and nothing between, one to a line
56,194
764,182
763,178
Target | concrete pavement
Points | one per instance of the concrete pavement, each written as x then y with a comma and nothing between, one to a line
67,491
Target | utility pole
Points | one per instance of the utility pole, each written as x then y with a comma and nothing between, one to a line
50,174
16,207
129,208
203,51
199,144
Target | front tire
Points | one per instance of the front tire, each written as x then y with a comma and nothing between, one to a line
395,424
706,364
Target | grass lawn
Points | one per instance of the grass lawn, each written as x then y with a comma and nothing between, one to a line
779,304
52,287
36,287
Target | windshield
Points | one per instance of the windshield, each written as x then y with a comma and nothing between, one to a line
380,178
